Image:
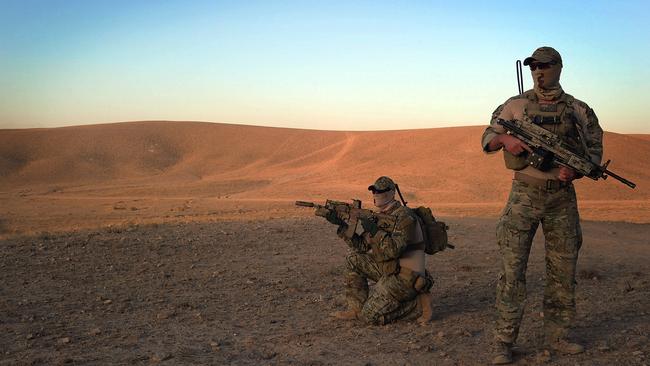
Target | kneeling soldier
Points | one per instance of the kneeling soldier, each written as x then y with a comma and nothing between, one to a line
394,260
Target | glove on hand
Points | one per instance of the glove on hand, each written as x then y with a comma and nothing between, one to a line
341,231
369,225
334,218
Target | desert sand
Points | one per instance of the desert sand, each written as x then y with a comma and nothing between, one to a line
130,173
179,244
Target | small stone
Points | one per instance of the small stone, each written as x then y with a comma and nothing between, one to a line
95,331
64,340
108,302
161,357
165,314
637,353
440,334
541,314
30,336
267,354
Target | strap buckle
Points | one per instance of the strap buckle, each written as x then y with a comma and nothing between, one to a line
554,185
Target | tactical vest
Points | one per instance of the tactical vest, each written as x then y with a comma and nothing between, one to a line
558,118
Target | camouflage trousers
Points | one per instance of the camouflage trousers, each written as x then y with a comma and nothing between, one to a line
392,297
557,211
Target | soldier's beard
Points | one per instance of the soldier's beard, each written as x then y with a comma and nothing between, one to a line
383,200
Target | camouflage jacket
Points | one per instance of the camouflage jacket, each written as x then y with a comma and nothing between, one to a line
386,246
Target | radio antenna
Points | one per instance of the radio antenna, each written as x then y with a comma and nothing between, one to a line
400,195
520,77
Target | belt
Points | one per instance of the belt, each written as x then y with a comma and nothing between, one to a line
546,184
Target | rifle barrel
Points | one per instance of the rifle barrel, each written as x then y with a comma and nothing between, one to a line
620,179
305,204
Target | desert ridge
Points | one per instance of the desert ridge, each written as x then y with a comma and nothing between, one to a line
214,170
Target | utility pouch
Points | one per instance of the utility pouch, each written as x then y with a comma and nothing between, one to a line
540,159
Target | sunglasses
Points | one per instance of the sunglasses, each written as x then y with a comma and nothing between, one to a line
541,65
378,191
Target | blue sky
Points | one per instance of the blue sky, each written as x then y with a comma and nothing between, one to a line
342,65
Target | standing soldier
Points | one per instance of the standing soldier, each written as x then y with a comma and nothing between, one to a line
547,197
394,260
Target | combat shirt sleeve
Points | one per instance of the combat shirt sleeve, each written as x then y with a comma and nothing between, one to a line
504,111
357,242
391,245
591,130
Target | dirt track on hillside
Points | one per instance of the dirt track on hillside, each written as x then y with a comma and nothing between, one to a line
259,292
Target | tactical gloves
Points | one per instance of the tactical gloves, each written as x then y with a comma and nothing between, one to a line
334,218
369,225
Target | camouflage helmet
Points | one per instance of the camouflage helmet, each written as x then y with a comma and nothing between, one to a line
544,54
381,185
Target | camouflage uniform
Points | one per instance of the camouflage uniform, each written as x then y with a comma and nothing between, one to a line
539,197
376,258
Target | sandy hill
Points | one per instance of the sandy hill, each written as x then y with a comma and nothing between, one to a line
441,167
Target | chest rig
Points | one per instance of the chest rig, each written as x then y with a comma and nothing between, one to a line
558,118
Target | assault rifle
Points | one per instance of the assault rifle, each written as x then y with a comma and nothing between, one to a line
548,148
351,214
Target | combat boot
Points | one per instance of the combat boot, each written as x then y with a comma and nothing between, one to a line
503,353
564,346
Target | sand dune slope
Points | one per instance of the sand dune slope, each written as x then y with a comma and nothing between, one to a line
442,167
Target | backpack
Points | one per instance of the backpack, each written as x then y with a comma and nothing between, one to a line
435,232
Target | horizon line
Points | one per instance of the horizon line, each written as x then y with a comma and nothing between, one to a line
267,126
